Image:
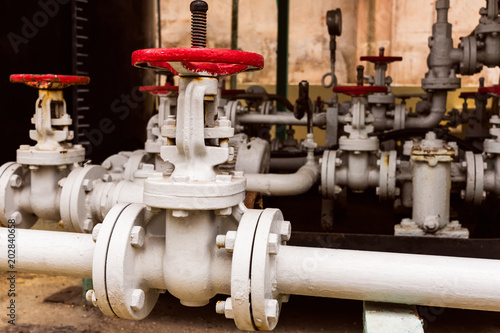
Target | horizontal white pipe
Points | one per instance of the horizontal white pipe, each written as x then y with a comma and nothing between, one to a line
284,184
390,277
284,118
47,252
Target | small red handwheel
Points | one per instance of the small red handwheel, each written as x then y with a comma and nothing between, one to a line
198,61
49,81
490,90
359,91
159,90
468,94
381,58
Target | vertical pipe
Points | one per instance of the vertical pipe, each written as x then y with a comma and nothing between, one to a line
234,36
282,61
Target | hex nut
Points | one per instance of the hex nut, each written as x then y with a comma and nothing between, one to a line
230,240
180,213
228,308
15,181
137,236
87,225
137,299
95,231
274,243
88,185
224,212
272,310
285,231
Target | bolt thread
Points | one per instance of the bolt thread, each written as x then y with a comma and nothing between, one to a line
198,29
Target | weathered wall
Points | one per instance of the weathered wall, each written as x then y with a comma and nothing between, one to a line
402,26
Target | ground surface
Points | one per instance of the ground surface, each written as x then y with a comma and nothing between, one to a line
68,312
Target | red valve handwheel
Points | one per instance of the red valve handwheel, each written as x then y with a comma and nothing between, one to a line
359,91
49,81
159,90
381,59
468,94
490,90
198,61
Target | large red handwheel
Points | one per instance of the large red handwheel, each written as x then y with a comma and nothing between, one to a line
198,61
490,90
359,91
381,58
159,90
49,81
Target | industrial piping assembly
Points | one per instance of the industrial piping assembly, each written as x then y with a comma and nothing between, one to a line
173,218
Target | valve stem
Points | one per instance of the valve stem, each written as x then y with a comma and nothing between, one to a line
198,23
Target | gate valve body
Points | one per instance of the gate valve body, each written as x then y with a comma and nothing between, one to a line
381,62
51,121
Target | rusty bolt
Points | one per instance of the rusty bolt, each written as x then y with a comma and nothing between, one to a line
61,182
88,185
137,236
90,296
285,231
15,181
220,241
220,306
272,310
95,231
273,243
137,299
225,308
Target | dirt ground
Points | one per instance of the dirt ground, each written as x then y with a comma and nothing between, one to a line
55,304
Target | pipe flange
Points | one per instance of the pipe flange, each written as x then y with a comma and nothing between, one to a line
362,144
479,193
119,291
171,193
29,155
387,186
399,116
74,213
13,180
240,271
231,109
328,169
381,98
266,300
470,177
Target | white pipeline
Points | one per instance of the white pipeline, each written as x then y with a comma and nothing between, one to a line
48,252
390,277
284,184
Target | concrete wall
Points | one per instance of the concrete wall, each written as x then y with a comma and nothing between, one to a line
401,26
